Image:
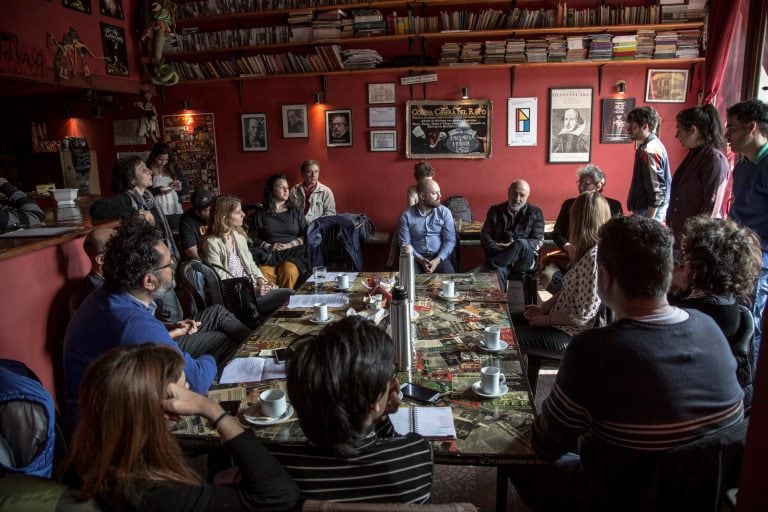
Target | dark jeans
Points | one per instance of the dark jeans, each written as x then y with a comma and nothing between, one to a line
220,334
537,343
518,257
445,267
557,486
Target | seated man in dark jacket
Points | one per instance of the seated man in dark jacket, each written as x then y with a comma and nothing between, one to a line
20,210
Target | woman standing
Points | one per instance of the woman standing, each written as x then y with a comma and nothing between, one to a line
123,455
574,307
278,234
699,183
167,185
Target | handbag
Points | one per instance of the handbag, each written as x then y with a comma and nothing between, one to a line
239,297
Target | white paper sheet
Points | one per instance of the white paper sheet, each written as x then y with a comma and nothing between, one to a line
334,300
333,275
252,369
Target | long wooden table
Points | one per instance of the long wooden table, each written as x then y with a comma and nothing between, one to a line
491,432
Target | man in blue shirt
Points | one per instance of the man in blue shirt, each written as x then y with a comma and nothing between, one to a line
428,227
747,132
137,269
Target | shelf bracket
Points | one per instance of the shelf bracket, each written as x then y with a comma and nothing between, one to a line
512,82
410,86
690,74
240,92
162,94
600,78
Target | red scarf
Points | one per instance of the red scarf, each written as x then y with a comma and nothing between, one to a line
307,193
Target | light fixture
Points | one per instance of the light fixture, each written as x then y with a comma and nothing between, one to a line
465,93
319,97
621,86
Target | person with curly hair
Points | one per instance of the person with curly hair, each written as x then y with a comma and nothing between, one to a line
721,262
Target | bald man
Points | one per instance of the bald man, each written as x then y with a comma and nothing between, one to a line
93,245
428,227
513,233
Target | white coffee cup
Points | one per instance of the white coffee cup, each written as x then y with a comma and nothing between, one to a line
272,403
342,281
491,380
492,337
321,311
449,289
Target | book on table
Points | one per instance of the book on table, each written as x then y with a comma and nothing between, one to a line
430,422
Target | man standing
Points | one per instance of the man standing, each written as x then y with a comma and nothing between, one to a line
138,267
193,224
512,233
747,131
315,198
20,210
651,177
657,378
428,227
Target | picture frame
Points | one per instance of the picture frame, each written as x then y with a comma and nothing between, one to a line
666,86
522,121
570,125
384,140
83,6
254,132
295,124
115,49
338,128
382,116
381,93
448,129
613,120
111,8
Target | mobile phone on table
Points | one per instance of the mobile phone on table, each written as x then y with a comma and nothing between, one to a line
280,354
420,393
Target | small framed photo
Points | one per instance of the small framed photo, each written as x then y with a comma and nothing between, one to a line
338,128
111,8
78,5
666,86
570,125
295,121
382,116
384,140
254,128
381,93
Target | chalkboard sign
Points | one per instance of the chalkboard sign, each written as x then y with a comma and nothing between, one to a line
448,129
81,161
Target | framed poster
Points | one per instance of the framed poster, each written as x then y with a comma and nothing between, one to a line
338,128
382,116
666,85
111,8
381,93
78,5
570,124
192,137
295,121
254,132
522,119
613,122
384,140
448,129
115,50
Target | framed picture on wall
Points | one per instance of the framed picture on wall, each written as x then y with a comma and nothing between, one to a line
613,126
295,121
384,140
115,50
382,116
381,93
338,128
78,5
666,86
111,8
448,129
570,125
254,128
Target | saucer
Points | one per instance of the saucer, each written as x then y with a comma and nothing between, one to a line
503,346
331,318
263,421
451,298
478,389
338,289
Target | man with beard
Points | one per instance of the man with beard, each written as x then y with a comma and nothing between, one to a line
428,227
512,233
138,267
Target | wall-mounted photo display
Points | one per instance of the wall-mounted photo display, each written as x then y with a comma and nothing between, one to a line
115,50
448,129
613,126
382,116
522,119
254,128
381,93
295,123
78,5
192,137
570,124
338,128
384,140
666,86
111,8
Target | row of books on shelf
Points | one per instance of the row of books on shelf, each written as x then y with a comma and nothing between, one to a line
218,7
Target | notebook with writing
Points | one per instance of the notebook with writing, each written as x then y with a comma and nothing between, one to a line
430,422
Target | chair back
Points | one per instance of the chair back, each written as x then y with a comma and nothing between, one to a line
202,283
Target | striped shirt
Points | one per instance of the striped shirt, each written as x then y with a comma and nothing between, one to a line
388,468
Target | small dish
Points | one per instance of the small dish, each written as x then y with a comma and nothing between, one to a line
450,298
477,387
336,288
261,421
503,345
331,318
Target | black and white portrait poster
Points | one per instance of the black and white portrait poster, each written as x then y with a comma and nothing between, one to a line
111,8
115,50
570,125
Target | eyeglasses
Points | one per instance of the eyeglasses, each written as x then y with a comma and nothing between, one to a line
173,264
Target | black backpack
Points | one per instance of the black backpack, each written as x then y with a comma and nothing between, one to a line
459,207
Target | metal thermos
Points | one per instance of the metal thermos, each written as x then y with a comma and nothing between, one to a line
400,323
408,273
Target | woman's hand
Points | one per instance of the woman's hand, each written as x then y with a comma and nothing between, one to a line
279,246
181,401
262,287
176,185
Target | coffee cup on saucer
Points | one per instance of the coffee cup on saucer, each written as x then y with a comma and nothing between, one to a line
492,337
272,403
448,288
491,380
321,311
342,281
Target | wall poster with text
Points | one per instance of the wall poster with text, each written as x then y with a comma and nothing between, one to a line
193,139
522,118
448,129
570,125
613,128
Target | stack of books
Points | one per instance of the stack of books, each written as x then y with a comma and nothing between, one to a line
360,59
624,47
495,52
368,22
449,53
600,47
666,45
576,49
327,25
688,43
515,51
301,25
536,50
556,48
675,13
471,53
645,44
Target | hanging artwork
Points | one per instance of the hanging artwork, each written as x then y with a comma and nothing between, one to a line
254,132
522,119
570,125
613,129
448,129
115,50
78,5
192,137
111,8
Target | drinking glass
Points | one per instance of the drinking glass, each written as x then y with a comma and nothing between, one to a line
320,274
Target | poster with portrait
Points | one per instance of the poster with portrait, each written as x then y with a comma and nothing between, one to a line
295,121
448,129
111,8
115,50
570,125
613,126
522,120
78,5
338,128
254,127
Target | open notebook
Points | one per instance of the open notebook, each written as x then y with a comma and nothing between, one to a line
430,422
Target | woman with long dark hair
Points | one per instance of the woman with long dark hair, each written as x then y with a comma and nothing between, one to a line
699,182
168,184
123,455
